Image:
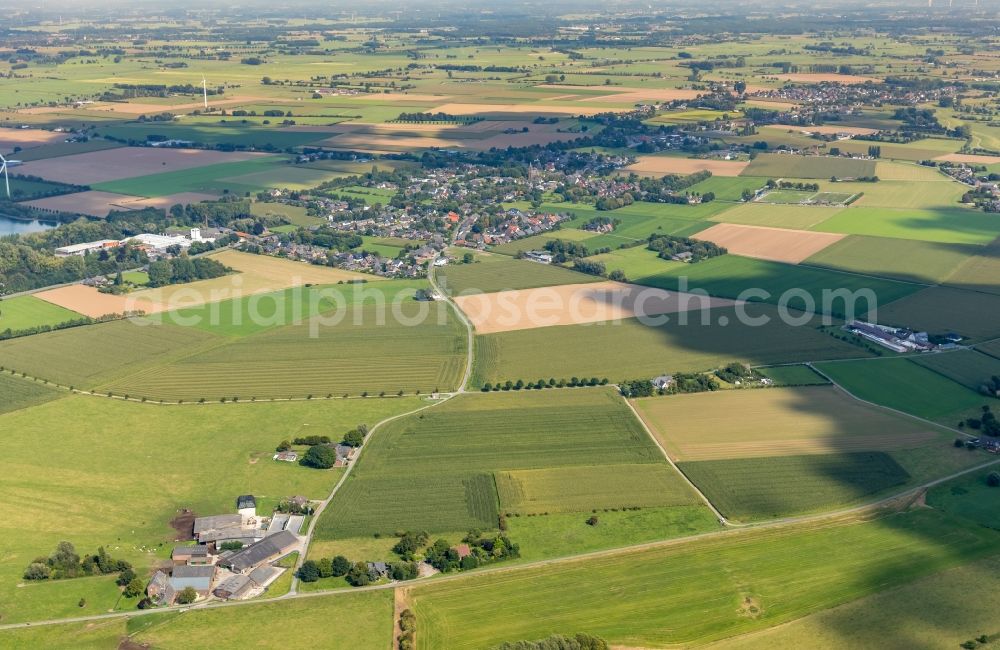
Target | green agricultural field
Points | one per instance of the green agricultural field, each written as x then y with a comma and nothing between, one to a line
795,166
752,489
979,273
583,488
65,149
903,385
898,171
719,587
25,312
369,349
942,193
943,225
106,473
777,216
18,393
568,533
436,470
232,132
941,610
269,311
86,357
209,178
499,273
23,189
918,150
913,261
941,309
968,367
596,350
733,276
795,375
787,196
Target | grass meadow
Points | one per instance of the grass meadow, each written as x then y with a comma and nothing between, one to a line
499,273
941,610
968,367
24,312
903,385
370,628
718,587
114,473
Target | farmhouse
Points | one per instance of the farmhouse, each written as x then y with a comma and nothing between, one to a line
663,382
266,550
160,590
287,456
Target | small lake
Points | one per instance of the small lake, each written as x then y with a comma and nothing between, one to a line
9,226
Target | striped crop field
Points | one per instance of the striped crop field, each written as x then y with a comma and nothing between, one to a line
438,470
319,358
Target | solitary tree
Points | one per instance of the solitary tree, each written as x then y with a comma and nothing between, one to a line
187,596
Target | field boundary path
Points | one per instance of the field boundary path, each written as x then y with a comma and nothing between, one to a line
293,589
718,515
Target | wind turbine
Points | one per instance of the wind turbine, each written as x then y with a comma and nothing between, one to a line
204,90
6,179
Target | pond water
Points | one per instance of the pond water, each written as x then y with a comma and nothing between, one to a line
9,226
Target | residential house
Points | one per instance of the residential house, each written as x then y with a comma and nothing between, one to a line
159,590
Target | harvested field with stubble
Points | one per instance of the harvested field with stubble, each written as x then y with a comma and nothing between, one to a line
662,165
92,203
777,422
574,304
27,138
127,162
91,302
775,244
